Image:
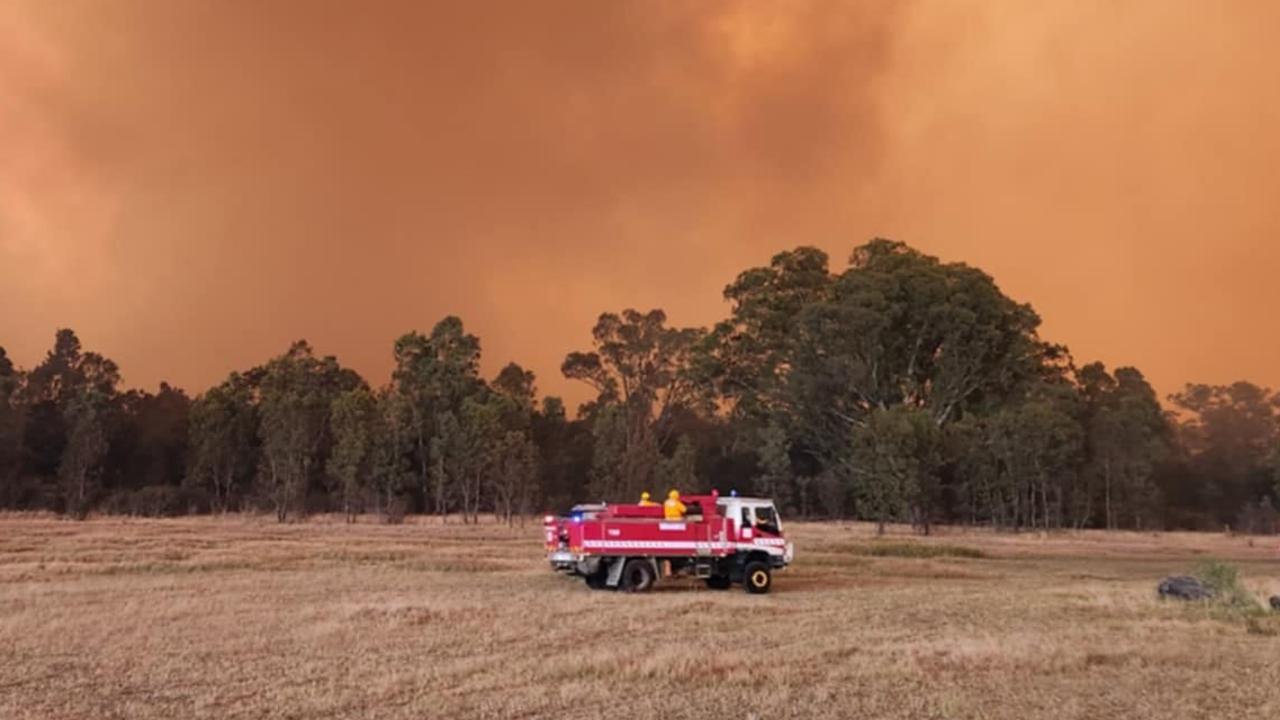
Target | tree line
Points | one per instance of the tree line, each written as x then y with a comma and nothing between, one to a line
898,389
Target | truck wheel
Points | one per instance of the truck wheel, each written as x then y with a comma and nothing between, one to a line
757,577
637,576
719,582
598,579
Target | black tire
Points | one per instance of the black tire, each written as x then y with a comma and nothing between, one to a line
719,582
598,580
757,578
637,576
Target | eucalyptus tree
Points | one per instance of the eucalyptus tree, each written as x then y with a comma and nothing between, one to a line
80,467
1230,434
903,328
1038,445
68,374
434,375
464,452
641,372
1127,438
819,355
150,443
776,477
391,473
297,390
354,419
224,440
516,468
748,356
895,459
514,475
564,454
12,422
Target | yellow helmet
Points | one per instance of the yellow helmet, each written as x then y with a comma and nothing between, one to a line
644,495
674,494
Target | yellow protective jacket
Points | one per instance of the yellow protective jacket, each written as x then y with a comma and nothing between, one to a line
673,509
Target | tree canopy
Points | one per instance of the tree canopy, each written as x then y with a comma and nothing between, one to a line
899,388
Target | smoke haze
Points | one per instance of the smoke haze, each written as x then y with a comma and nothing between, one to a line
192,185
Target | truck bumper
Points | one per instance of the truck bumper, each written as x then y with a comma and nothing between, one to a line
563,560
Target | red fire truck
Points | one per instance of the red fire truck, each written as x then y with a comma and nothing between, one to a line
723,540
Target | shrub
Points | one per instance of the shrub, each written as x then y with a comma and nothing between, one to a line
1224,580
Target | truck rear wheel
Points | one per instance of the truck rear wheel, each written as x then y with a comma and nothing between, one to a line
757,577
637,576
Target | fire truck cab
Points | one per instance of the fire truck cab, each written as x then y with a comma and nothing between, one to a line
721,540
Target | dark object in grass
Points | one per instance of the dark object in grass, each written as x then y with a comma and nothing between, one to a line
1182,587
1275,602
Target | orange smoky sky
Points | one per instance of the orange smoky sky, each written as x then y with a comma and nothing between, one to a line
192,185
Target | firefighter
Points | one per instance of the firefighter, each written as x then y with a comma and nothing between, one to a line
645,501
673,509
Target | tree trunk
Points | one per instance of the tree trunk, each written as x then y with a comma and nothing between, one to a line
424,461
477,483
1106,477
80,493
442,505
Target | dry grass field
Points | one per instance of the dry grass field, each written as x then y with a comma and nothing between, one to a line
243,618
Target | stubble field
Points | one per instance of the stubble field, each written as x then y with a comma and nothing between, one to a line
243,618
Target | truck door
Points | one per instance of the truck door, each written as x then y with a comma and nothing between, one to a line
767,522
744,524
759,521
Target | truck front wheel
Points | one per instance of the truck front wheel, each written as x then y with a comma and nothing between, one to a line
757,577
637,576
